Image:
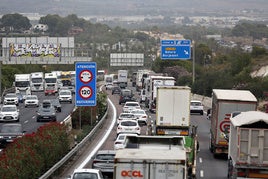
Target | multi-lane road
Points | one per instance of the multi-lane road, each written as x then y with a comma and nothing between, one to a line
208,167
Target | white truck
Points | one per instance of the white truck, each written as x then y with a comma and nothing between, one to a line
109,81
51,81
151,157
122,77
151,85
224,103
22,84
248,146
141,75
37,81
172,110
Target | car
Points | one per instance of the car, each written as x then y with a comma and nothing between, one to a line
141,116
65,96
126,95
85,173
31,100
20,97
131,105
11,98
109,86
50,90
128,126
10,132
120,141
71,88
196,107
46,113
56,104
9,113
125,116
104,161
116,90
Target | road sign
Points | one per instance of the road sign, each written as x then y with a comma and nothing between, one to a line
176,49
85,87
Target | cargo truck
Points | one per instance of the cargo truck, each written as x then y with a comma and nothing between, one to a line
151,157
151,84
224,103
37,81
23,84
122,78
248,145
172,110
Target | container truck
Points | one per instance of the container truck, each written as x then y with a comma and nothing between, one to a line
248,145
151,85
172,110
224,103
109,81
22,84
151,157
37,81
122,78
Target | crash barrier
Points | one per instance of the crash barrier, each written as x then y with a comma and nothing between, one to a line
77,148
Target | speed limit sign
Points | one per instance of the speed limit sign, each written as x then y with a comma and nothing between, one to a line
85,84
85,92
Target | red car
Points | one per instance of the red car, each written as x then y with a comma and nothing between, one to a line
50,90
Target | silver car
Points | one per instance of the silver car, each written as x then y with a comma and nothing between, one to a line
104,161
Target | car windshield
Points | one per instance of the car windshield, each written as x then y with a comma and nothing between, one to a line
128,123
8,109
126,115
31,97
196,104
65,93
11,95
132,104
85,175
11,129
105,156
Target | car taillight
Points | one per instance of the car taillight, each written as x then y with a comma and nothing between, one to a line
143,116
119,128
137,128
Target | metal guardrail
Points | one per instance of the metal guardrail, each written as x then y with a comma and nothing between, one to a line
80,145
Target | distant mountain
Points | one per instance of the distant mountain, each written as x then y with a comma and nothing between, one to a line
129,7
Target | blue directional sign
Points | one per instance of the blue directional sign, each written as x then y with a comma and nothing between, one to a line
85,86
176,49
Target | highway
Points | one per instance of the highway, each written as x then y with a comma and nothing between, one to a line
208,167
28,115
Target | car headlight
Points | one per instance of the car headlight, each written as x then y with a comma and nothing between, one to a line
1,137
53,114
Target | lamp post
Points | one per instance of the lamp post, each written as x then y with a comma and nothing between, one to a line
193,46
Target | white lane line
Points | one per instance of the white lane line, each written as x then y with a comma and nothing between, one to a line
26,121
200,160
201,173
94,151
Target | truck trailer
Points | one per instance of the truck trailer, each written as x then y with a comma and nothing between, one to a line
172,110
248,145
151,157
225,103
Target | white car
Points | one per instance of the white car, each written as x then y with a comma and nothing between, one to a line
9,113
131,105
86,173
65,96
128,126
31,100
120,141
125,116
141,115
11,98
197,107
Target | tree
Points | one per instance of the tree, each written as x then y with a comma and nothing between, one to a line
15,22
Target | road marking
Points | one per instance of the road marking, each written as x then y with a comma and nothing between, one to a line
26,121
201,173
200,160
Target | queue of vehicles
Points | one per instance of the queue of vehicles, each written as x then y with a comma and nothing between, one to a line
24,85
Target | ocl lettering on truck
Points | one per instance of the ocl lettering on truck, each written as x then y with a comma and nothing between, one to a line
129,173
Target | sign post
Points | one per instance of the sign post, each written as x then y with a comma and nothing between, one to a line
176,49
85,87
